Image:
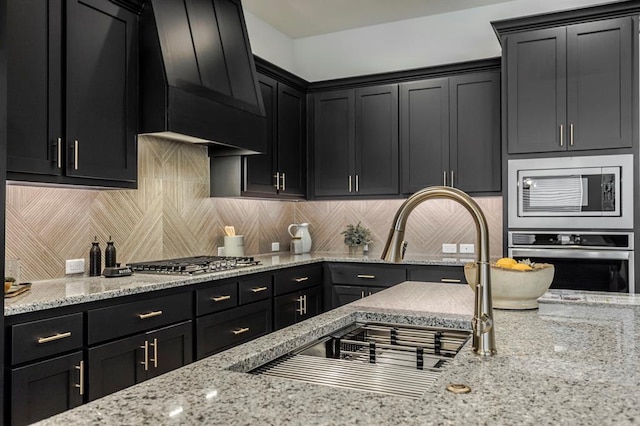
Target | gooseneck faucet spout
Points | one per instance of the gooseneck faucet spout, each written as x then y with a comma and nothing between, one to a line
483,332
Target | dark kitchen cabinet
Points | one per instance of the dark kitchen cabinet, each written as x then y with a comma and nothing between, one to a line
46,388
72,92
281,170
570,88
436,273
356,142
116,365
450,132
344,294
294,307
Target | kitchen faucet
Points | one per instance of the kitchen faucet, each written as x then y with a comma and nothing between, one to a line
483,333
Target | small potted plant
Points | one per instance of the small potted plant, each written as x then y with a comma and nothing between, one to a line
355,236
8,282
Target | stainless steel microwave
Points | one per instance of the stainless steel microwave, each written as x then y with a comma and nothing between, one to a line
594,192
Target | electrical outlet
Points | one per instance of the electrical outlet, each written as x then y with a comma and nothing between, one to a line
74,266
449,248
467,248
275,246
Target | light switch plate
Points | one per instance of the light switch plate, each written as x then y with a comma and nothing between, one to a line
467,248
449,248
275,246
74,266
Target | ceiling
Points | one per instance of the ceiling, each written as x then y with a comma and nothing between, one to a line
304,18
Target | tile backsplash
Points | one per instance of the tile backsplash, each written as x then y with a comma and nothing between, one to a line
171,215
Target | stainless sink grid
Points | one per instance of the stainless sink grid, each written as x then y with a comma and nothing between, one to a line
390,359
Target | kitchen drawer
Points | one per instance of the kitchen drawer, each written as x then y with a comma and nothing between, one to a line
51,336
255,289
297,278
220,296
223,330
129,318
366,274
437,274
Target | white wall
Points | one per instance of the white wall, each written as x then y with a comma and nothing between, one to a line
413,43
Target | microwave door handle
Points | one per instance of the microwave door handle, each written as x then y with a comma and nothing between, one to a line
571,254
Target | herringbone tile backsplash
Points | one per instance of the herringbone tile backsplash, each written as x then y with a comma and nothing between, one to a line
171,215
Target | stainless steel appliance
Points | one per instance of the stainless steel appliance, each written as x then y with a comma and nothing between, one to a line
594,261
192,265
390,359
591,192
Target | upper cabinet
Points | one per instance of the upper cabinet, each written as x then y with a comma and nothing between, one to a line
281,170
72,92
450,132
570,87
355,142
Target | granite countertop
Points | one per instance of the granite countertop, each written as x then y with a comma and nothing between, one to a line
74,290
572,362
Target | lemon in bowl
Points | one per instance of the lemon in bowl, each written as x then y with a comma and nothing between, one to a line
514,285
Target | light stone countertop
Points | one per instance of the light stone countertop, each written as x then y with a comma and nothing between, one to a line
75,290
565,363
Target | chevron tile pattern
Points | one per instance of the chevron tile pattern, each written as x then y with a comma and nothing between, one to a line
171,215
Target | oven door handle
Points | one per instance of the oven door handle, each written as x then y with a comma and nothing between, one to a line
571,254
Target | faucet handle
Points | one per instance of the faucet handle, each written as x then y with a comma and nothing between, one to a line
404,247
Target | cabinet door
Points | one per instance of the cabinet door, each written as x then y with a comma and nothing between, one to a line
376,140
101,90
436,273
292,137
294,307
344,294
536,91
45,388
259,169
169,348
34,86
116,365
424,133
311,305
475,164
334,143
599,84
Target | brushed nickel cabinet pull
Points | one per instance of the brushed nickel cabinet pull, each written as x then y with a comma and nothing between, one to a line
444,178
150,315
349,183
300,279
75,155
259,289
304,304
155,353
357,183
277,176
59,153
221,298
362,294
240,331
571,134
54,337
80,384
300,308
452,184
146,355
284,182
369,293
450,280
366,277
561,135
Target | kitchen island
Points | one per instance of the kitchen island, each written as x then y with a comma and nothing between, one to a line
572,361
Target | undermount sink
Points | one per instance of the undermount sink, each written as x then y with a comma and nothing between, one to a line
391,359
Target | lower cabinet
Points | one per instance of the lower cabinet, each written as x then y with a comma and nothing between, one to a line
437,273
294,307
46,388
343,294
222,330
125,362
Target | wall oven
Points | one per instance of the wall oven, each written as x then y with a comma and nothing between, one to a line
593,261
590,192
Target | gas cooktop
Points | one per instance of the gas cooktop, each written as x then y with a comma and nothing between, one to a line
192,265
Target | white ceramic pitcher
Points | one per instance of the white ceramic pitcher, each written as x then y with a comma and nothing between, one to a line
301,232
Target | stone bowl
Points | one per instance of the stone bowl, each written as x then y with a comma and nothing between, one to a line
511,289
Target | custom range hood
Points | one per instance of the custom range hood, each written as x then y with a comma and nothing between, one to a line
198,78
